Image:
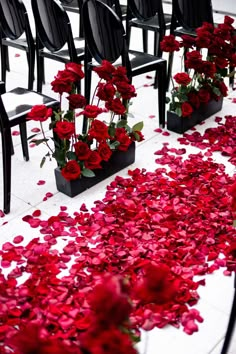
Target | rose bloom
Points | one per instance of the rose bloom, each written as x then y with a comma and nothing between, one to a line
105,91
71,171
186,109
64,129
120,75
124,141
91,111
140,136
126,90
221,63
63,82
104,151
110,302
194,99
169,44
82,150
105,70
194,59
98,130
223,88
187,41
39,113
93,161
76,101
115,106
157,285
208,68
76,70
111,341
204,95
182,79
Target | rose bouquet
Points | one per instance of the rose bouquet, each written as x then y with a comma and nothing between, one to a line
208,57
80,154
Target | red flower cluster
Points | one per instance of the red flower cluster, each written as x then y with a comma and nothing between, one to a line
205,78
80,154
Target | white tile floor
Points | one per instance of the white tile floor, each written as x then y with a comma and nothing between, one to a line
216,296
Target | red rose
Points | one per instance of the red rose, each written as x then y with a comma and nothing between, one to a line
221,63
98,130
104,151
82,150
71,171
187,41
116,106
62,82
76,101
194,99
126,90
91,111
124,140
186,109
169,44
182,79
223,88
105,91
157,285
93,161
194,60
64,129
120,74
76,70
208,68
204,95
39,113
105,70
138,136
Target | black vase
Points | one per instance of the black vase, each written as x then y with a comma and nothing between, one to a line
118,161
182,124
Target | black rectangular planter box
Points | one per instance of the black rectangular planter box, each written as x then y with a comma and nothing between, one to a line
118,161
181,125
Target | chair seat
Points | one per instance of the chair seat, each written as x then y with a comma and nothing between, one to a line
63,54
20,43
151,24
12,101
180,31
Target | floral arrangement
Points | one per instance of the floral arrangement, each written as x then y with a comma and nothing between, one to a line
208,57
81,154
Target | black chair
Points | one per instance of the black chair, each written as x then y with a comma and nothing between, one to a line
14,107
105,39
187,16
14,24
149,16
53,33
74,6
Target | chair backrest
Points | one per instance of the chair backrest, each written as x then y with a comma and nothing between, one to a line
104,32
52,24
12,18
191,14
145,9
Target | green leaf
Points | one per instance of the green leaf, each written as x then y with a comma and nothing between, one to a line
59,155
71,155
178,111
39,141
114,145
137,127
112,129
122,123
87,173
167,99
216,91
42,161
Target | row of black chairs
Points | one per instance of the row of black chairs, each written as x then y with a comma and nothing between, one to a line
53,31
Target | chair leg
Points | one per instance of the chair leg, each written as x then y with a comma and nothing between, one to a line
162,93
145,41
4,60
169,70
24,143
40,73
31,63
87,90
6,157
